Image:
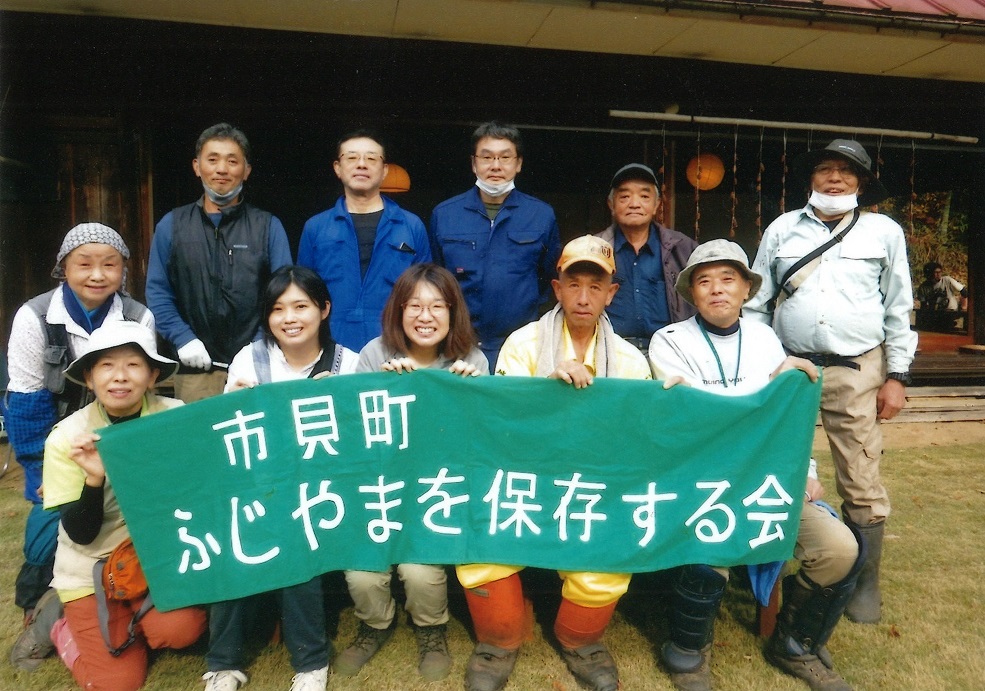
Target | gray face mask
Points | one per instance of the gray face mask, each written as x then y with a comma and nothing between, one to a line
495,190
222,200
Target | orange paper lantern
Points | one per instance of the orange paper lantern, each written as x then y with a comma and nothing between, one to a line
711,173
397,179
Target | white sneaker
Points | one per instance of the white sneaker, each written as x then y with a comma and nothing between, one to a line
224,680
315,680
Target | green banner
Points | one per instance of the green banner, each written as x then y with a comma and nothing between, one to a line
268,487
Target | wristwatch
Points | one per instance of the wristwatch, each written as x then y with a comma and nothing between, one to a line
903,377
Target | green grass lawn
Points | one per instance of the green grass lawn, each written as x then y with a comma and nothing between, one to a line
931,637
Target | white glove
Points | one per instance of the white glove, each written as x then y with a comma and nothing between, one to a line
194,354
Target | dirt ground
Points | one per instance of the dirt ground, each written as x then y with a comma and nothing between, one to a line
918,434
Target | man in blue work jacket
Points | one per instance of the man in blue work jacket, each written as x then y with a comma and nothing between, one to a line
501,244
362,244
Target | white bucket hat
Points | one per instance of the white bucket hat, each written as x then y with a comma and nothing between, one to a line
113,335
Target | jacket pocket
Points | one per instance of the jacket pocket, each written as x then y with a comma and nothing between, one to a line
55,360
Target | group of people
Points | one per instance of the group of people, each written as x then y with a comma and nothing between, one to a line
374,289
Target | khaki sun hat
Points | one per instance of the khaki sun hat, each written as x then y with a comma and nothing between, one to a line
714,252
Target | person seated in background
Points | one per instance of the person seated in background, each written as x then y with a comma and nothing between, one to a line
426,325
574,343
938,296
297,343
48,332
719,352
120,365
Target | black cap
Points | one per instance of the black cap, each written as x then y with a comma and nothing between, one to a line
633,171
873,191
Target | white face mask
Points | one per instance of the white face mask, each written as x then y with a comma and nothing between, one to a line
833,204
495,190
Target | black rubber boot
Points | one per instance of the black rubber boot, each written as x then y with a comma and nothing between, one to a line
698,593
865,607
809,615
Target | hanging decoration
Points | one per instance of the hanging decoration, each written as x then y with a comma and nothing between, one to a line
783,176
397,179
705,171
878,166
697,188
913,183
663,178
735,181
759,186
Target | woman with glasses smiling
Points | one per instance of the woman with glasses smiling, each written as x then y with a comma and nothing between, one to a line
426,325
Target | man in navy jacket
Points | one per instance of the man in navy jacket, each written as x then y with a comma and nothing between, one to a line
500,243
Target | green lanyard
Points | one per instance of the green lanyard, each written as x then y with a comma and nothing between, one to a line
738,358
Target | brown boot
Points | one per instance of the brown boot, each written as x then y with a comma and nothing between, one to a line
592,667
34,644
432,647
366,644
489,668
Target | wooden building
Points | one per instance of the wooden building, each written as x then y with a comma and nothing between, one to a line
100,105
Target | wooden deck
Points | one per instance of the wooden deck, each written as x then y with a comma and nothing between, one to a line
958,367
943,404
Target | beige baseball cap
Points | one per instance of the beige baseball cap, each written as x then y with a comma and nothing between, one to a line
588,248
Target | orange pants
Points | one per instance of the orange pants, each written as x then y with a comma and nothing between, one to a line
96,669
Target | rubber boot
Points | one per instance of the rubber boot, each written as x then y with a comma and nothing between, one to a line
579,630
498,612
865,607
806,621
498,615
577,625
809,615
697,596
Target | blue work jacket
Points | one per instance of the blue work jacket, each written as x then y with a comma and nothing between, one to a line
329,246
504,266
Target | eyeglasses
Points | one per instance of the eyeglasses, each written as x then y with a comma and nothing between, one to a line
352,158
843,170
413,308
504,159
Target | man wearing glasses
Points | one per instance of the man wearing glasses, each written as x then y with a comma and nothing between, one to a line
500,243
362,244
847,309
